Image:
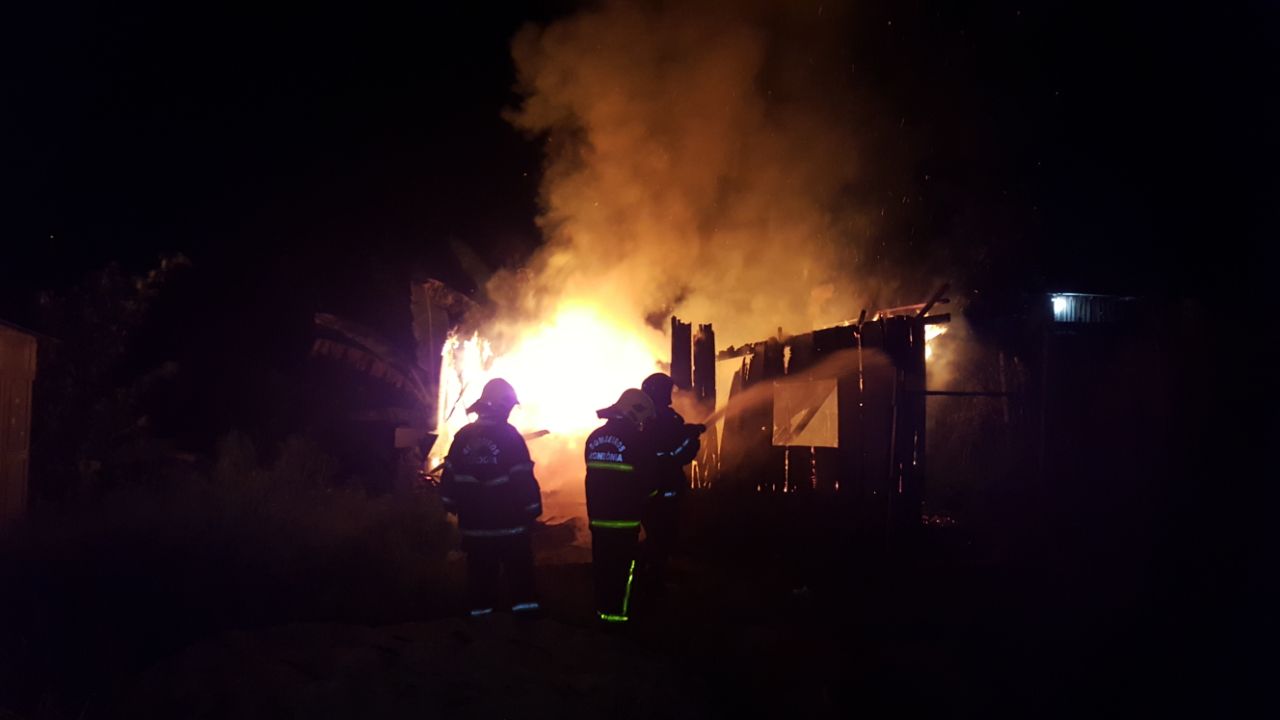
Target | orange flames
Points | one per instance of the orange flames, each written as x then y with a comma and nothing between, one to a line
563,368
932,332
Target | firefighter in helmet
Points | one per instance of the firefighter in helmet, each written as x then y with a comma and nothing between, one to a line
675,444
619,481
488,482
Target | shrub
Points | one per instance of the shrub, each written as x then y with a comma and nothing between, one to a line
94,593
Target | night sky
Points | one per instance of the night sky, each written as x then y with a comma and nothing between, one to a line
312,158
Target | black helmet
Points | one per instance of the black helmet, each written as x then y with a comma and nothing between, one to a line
658,387
497,396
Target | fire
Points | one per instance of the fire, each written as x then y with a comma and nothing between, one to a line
563,369
932,332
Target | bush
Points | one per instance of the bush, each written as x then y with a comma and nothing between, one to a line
92,594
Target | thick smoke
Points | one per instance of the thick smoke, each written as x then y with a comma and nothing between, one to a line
699,161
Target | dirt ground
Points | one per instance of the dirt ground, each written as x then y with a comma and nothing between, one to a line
729,640
761,618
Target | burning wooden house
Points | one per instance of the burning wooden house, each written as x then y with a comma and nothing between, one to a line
838,410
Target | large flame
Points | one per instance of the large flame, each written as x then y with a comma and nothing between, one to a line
563,368
930,333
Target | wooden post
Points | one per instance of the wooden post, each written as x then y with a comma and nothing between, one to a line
904,343
773,368
735,444
707,465
800,460
704,369
17,372
681,354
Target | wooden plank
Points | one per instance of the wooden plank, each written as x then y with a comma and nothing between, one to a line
869,485
937,297
801,470
706,466
704,368
681,354
733,443
768,364
17,370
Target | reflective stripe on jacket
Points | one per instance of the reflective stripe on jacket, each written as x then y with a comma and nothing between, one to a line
620,463
488,480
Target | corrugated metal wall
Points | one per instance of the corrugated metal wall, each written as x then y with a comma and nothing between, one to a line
1082,308
17,370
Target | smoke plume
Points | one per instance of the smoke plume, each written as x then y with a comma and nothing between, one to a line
699,161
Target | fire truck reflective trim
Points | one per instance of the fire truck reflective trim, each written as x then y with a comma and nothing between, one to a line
601,465
616,524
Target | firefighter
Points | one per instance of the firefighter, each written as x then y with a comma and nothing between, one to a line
619,481
675,444
488,482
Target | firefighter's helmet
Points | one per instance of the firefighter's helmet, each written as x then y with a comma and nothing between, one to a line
632,405
497,396
658,387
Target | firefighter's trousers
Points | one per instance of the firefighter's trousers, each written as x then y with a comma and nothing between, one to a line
487,560
613,562
661,528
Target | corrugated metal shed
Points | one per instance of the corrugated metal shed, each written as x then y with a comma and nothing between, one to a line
17,371
1079,308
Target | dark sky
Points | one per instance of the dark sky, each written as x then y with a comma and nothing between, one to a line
310,158
261,131
255,131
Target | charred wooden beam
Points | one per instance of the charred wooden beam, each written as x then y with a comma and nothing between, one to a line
937,297
704,368
731,352
705,469
912,309
681,354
